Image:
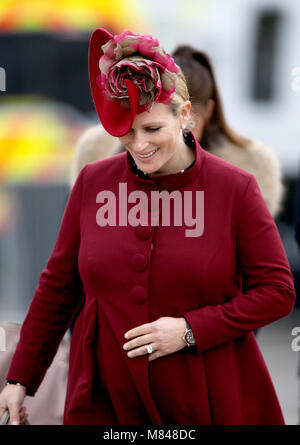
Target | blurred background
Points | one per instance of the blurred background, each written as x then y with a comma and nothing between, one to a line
46,104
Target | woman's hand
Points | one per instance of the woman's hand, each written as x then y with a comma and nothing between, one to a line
12,398
164,334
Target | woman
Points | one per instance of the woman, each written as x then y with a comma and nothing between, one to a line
165,333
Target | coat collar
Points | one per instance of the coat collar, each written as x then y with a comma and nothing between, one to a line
170,181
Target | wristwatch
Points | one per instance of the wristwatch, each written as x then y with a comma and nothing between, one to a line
188,336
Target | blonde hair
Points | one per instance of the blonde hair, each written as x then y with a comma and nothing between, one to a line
181,94
93,144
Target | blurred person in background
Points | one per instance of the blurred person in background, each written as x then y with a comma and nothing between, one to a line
210,127
94,144
150,343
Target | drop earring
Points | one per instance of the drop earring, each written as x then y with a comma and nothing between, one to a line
191,124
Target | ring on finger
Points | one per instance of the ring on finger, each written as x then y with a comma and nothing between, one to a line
149,348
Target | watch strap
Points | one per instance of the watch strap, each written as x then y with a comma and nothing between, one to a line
188,327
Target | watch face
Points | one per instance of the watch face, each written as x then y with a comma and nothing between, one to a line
190,338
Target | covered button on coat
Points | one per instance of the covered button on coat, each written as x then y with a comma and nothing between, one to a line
231,279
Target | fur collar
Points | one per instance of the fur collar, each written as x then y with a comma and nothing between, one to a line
257,158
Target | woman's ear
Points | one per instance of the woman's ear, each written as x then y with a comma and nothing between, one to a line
185,113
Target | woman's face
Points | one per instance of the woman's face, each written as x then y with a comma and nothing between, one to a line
158,133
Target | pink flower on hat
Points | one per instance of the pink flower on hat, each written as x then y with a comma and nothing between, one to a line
142,60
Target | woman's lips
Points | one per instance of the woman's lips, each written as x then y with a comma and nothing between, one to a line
141,158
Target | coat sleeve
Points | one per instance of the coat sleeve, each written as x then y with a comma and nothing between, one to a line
55,300
269,292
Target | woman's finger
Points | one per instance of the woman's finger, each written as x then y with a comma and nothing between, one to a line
141,351
153,356
2,411
14,415
23,415
23,420
138,341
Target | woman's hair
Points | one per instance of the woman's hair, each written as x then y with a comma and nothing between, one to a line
201,84
181,94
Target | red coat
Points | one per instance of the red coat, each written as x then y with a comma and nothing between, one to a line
134,275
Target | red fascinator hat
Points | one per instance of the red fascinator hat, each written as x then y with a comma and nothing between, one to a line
128,73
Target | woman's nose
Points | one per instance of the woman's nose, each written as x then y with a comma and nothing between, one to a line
139,144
